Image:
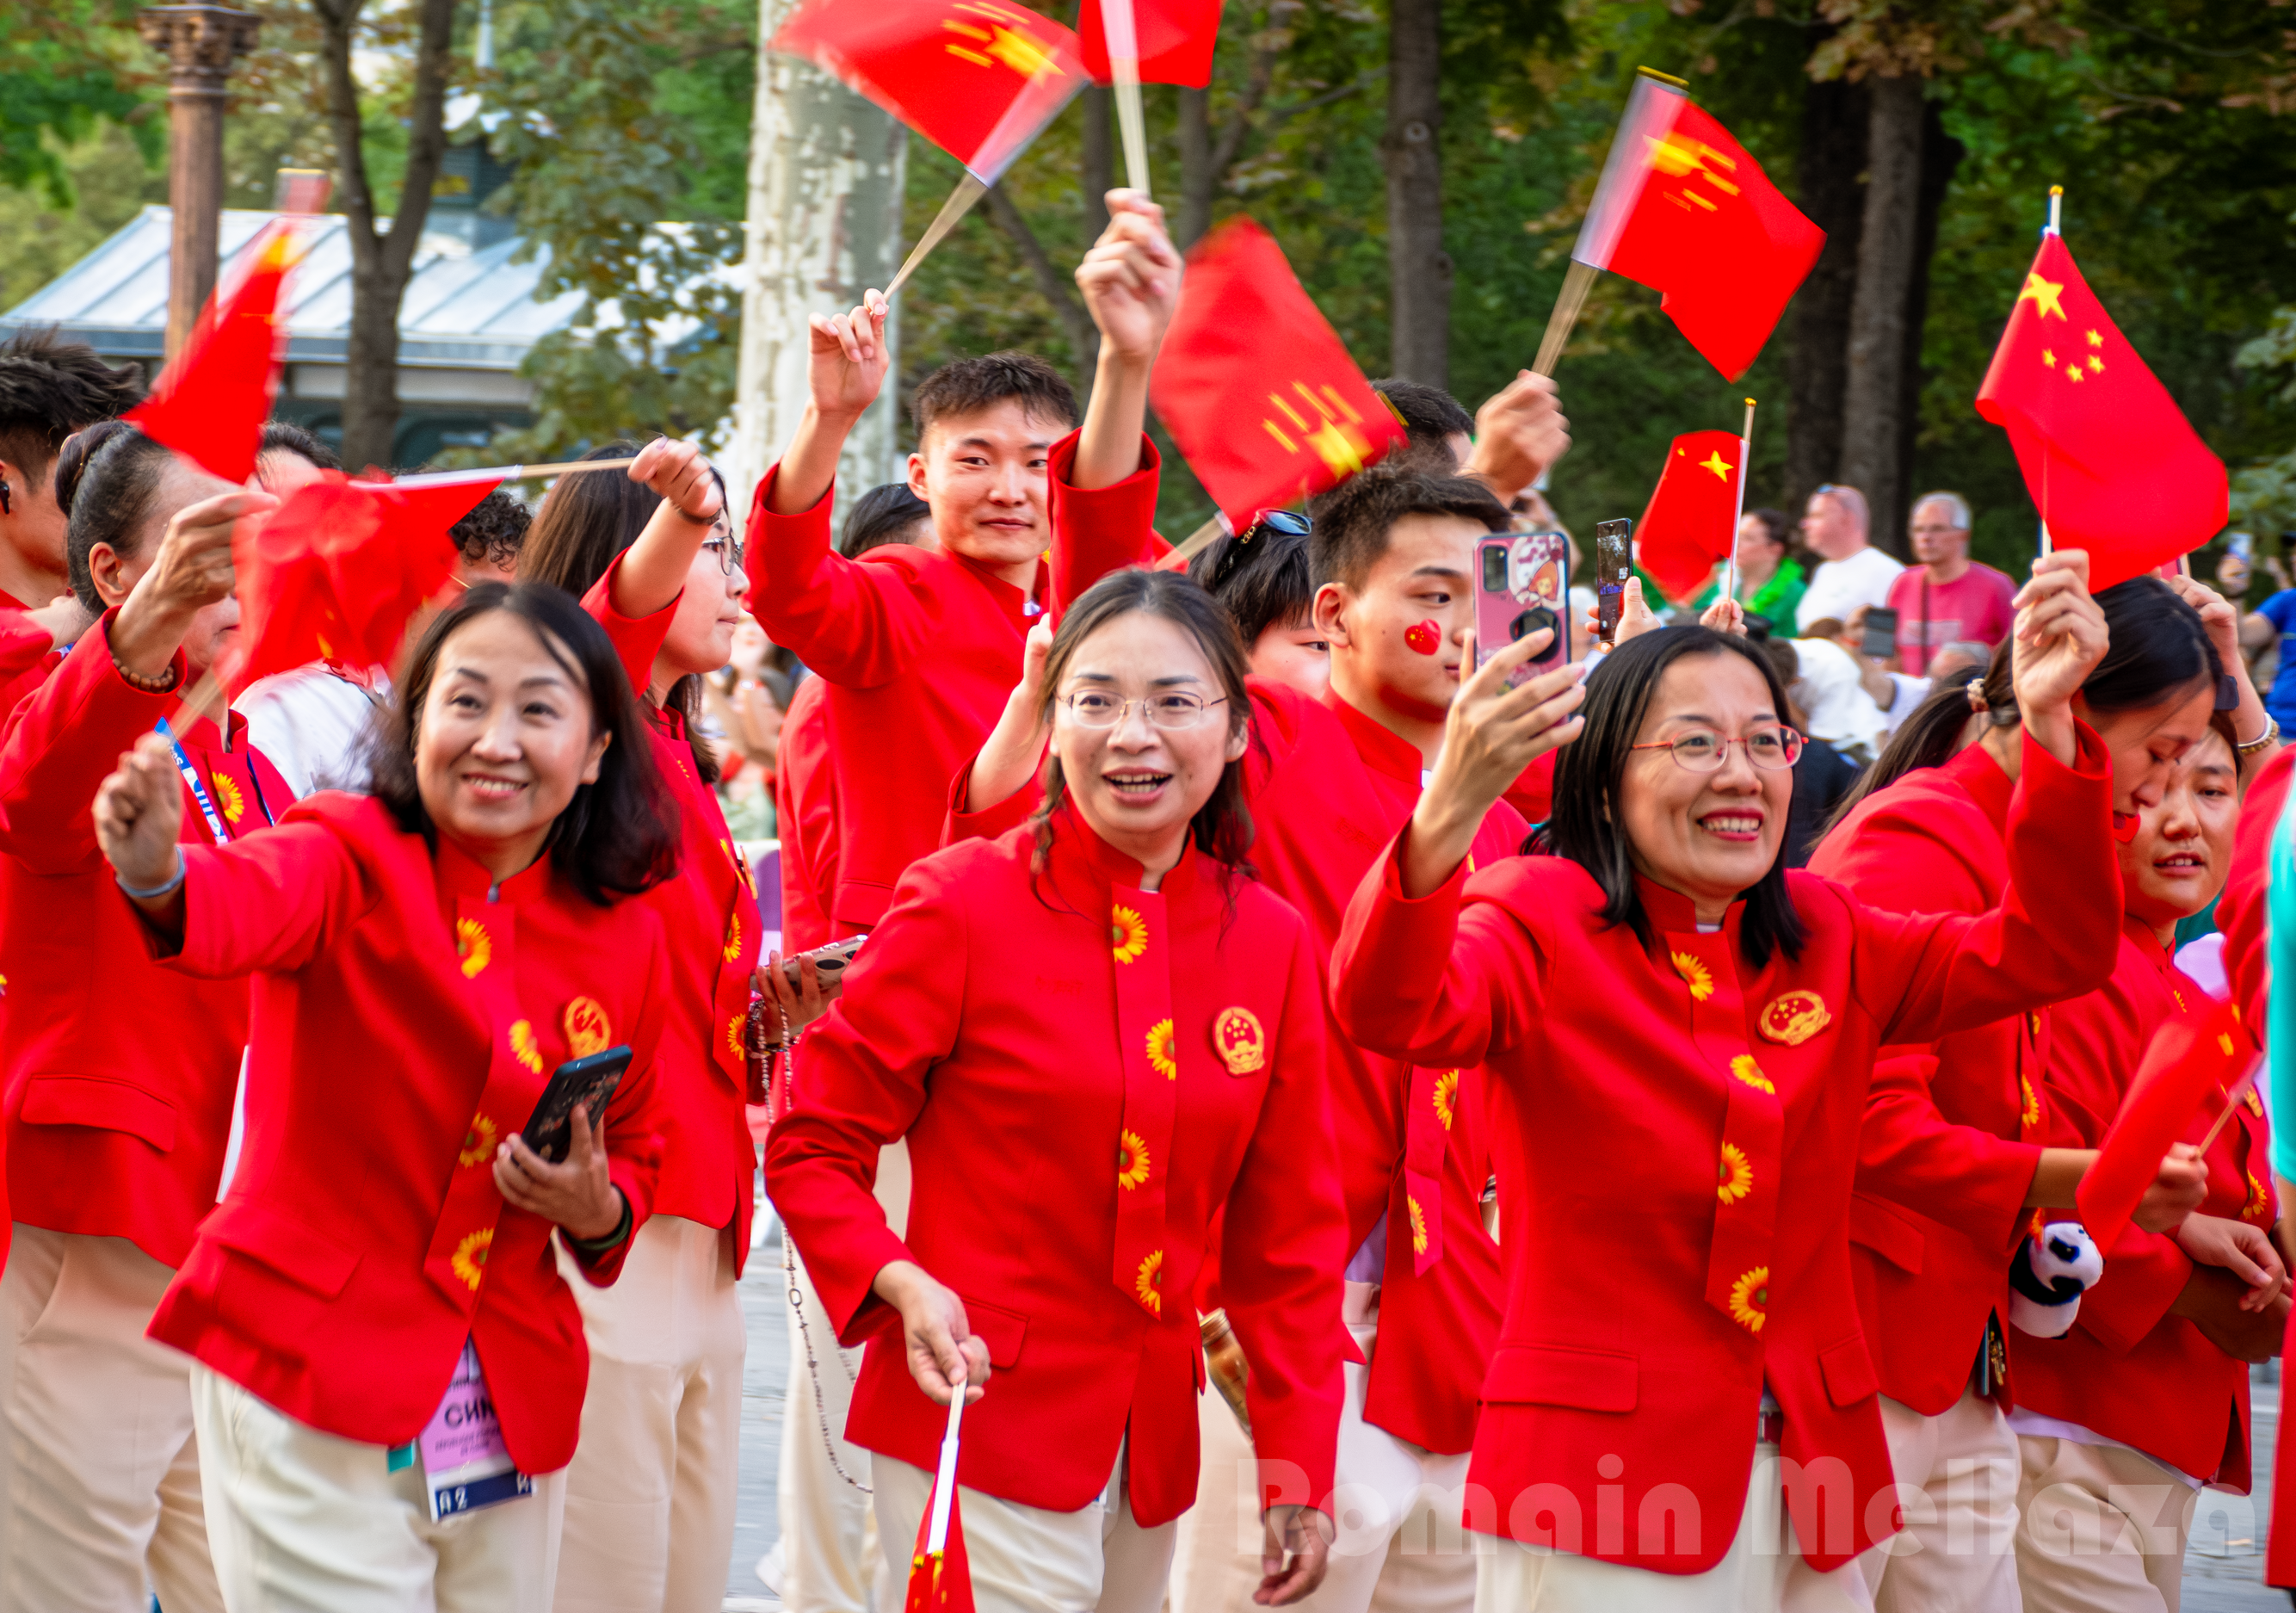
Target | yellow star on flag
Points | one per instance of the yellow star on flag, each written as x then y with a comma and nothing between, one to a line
2049,356
2096,364
2073,372
1715,462
2044,294
2096,340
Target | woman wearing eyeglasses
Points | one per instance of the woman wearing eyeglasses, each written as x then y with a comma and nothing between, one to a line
1679,1033
650,1498
1096,1031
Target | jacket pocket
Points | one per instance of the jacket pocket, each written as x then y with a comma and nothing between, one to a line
309,1259
1848,1371
97,1101
1592,1380
1002,1331
1886,1229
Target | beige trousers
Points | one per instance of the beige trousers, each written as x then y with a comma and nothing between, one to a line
650,1496
1763,1572
1958,1476
307,1522
99,1470
827,1556
1401,1546
2105,1529
1025,1560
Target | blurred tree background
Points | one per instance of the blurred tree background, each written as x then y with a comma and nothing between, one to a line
2168,121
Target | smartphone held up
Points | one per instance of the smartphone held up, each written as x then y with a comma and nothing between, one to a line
1614,563
1521,586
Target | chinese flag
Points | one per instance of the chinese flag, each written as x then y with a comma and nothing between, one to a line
2189,1057
2112,463
336,572
1682,209
977,77
1692,514
1255,385
210,403
1175,38
941,1581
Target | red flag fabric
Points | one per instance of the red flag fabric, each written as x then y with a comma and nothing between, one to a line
2188,1057
2111,463
210,403
336,572
977,77
1175,38
1693,511
1683,209
1256,386
941,1581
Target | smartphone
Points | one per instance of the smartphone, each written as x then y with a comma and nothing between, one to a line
1614,562
1880,640
829,965
589,1080
1522,586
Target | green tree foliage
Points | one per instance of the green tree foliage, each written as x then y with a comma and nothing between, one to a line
65,65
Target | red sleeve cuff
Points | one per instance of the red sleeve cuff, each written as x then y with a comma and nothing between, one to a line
989,822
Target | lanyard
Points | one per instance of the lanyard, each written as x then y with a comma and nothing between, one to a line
199,789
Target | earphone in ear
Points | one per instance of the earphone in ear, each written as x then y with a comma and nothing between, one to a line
7,506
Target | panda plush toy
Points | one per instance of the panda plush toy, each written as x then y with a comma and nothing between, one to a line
2047,1279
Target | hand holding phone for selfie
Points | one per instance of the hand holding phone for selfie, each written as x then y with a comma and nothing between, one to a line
1522,587
1614,563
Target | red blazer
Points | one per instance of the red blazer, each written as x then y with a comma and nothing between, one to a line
708,914
2127,1369
1611,1103
805,817
2241,909
380,1078
1328,787
980,1022
924,644
1954,1127
120,1074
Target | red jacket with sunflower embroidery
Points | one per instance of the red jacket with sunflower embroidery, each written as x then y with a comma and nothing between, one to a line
1647,1306
805,817
407,1014
921,649
708,914
1954,1127
2127,1369
120,1074
988,1022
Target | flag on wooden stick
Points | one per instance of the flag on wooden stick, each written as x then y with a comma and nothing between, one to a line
1174,39
1692,517
2188,1057
210,403
940,1579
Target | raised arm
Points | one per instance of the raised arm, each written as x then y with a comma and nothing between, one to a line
650,575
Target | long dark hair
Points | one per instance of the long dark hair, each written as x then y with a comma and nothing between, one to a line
110,495
617,837
1587,824
1222,826
584,521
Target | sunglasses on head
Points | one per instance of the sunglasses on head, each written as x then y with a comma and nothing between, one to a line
1284,522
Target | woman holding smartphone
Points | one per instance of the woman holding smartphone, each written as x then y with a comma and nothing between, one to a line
1679,1033
382,1263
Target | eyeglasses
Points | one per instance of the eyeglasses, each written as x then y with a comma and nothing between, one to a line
1700,752
728,551
1172,711
1284,522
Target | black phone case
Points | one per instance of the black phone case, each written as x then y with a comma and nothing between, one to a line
591,1080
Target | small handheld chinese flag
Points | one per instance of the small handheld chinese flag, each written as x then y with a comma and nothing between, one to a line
210,403
336,572
1692,516
977,77
2189,1057
1174,39
940,1579
1682,209
1256,386
2111,463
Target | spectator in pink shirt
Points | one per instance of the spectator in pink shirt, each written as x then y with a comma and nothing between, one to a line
1945,595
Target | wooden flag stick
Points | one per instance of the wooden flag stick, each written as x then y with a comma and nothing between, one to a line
2238,1091
2056,209
1576,284
969,190
1745,463
945,1479
1195,543
511,472
1116,23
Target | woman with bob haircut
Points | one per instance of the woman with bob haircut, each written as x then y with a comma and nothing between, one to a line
1678,1033
380,1266
1096,1031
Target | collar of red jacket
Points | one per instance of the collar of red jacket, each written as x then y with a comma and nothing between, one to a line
1381,747
1009,599
1672,910
460,875
1075,845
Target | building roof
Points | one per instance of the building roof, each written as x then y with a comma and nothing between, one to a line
464,309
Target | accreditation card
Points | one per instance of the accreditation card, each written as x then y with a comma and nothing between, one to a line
465,1464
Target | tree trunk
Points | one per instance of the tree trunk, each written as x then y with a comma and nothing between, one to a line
1942,154
1419,270
1197,180
382,263
1874,401
824,224
1828,173
1097,166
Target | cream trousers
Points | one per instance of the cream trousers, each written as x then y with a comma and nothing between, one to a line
2104,1529
1958,1476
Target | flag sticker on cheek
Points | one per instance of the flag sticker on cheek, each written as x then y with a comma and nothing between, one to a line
1424,637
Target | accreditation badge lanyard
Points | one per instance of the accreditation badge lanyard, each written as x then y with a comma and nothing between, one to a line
198,787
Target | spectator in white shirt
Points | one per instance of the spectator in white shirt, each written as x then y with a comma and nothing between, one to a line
1853,573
